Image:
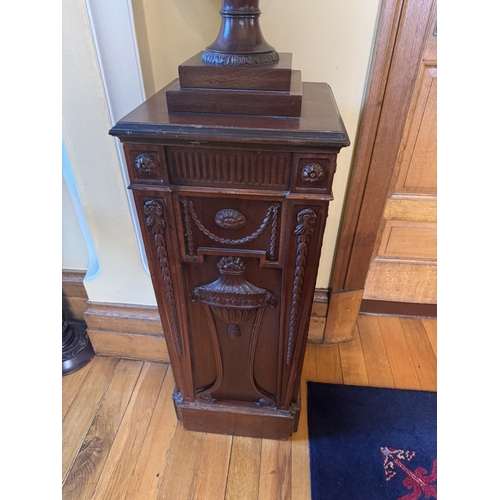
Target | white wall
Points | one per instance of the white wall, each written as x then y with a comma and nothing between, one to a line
331,41
94,162
74,249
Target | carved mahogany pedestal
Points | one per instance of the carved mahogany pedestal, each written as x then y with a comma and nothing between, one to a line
232,211
231,167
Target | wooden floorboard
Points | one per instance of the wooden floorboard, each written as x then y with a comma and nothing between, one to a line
122,441
244,469
150,467
80,415
117,472
352,361
89,463
71,385
378,368
422,353
398,352
275,470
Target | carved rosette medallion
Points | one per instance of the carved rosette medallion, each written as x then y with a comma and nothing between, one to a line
155,220
312,173
145,164
306,220
234,300
230,219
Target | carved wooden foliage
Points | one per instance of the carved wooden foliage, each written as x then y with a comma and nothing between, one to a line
306,220
155,220
230,219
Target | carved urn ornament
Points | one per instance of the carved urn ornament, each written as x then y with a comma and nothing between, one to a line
240,41
232,298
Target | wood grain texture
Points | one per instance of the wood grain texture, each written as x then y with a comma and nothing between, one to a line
81,413
123,318
402,281
416,172
378,368
400,358
410,207
414,24
414,240
301,475
117,472
430,326
342,314
246,102
72,283
276,470
150,467
385,42
89,463
328,365
353,362
194,73
413,174
71,385
422,353
211,477
129,345
316,330
179,480
244,469
74,295
174,464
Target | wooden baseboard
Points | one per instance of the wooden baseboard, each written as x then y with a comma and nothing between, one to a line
318,316
126,331
386,307
343,311
74,295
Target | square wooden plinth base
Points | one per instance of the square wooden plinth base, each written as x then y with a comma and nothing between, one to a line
240,102
237,419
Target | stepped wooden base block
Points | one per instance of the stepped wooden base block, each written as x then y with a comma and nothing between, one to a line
194,73
238,419
240,102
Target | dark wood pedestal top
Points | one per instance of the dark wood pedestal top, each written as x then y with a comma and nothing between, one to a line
320,124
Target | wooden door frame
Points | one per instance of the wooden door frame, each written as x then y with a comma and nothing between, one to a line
403,28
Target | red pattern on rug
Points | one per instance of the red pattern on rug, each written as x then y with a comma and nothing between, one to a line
419,480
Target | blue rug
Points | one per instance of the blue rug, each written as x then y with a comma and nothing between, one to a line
371,444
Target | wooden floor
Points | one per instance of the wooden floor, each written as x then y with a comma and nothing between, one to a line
121,440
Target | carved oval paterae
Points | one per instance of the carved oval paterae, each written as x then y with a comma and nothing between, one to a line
312,173
230,219
145,163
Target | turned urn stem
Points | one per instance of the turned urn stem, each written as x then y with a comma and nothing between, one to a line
240,41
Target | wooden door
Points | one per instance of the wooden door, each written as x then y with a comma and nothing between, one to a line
403,266
386,254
